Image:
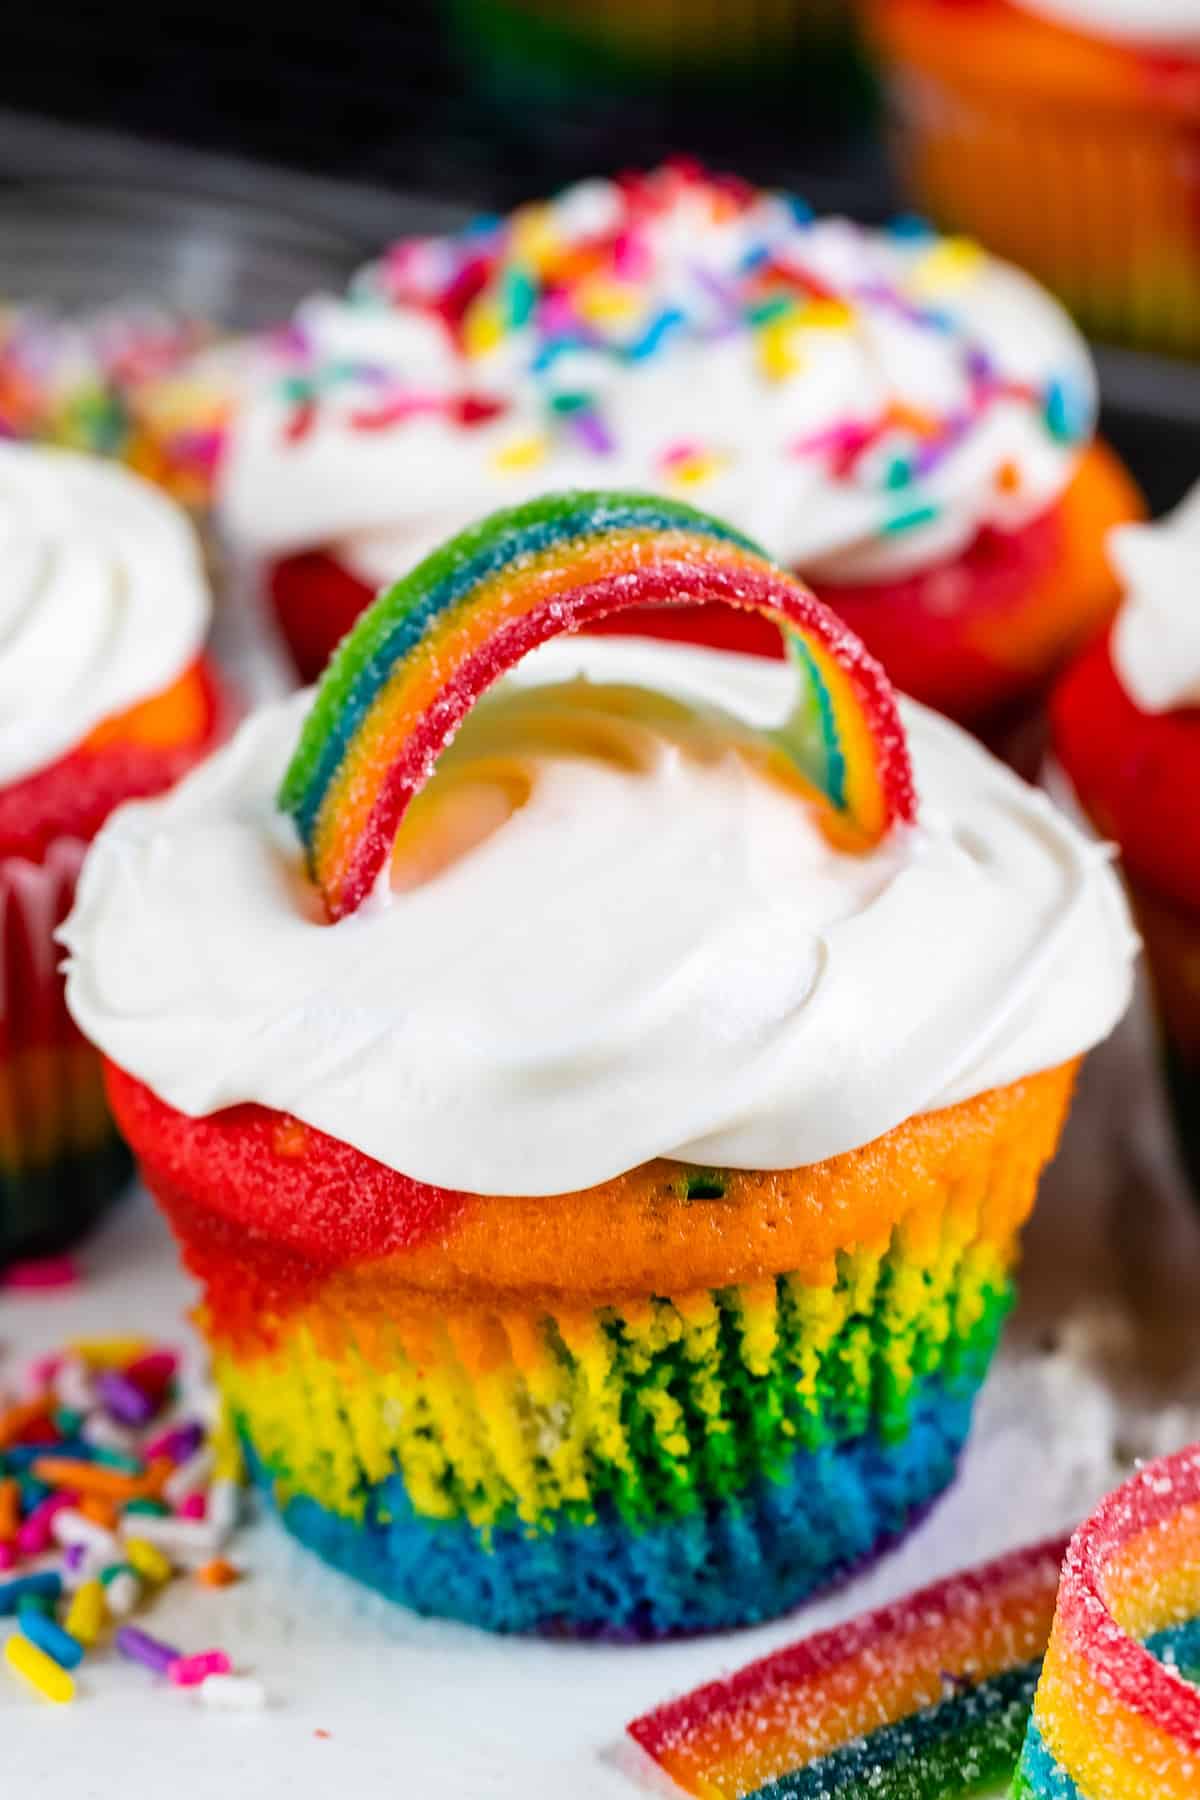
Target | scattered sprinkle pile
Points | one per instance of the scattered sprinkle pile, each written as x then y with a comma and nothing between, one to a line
110,1488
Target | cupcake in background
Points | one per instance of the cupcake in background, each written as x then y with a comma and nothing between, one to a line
605,1173
1126,732
1064,134
104,697
126,382
552,52
904,421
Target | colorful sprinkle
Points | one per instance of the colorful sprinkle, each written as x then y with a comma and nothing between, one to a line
49,1636
190,1671
151,1652
42,1673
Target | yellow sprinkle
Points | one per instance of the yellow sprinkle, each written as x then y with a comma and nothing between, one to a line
85,1615
147,1559
693,471
948,266
483,327
533,237
827,315
228,1462
522,453
606,302
777,357
38,1669
109,1353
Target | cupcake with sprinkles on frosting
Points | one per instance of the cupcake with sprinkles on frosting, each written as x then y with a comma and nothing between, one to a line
104,696
599,1082
902,420
1126,731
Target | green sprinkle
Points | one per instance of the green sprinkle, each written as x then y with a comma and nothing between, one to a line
520,297
571,402
109,1574
42,1604
68,1421
899,474
766,310
153,1509
118,1460
908,521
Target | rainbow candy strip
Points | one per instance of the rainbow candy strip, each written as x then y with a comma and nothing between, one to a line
925,1698
403,680
1115,1717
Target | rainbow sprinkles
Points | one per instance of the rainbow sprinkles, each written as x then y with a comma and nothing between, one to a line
406,676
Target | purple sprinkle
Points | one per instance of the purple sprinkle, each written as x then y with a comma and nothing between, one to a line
593,433
123,1399
178,1443
139,1646
73,1556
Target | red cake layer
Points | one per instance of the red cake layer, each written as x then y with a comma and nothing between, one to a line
1137,774
140,753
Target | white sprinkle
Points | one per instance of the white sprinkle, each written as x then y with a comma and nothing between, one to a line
186,1539
105,1434
224,1506
122,1594
240,1692
190,1476
73,1385
71,1527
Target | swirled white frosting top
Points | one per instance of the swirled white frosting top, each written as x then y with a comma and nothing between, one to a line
103,599
609,934
1156,638
856,401
1149,22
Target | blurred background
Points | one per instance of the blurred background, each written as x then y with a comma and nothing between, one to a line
228,165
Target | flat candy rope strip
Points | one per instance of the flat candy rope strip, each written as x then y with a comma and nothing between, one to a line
404,679
926,1697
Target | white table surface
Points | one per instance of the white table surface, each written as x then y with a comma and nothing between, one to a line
1100,1365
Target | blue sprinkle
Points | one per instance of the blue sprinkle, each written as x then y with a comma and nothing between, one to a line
910,228
802,213
555,347
49,1583
1067,412
482,225
49,1636
660,327
754,258
908,521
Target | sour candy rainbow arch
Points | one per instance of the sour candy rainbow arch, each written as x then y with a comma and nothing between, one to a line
418,659
923,1700
1116,1716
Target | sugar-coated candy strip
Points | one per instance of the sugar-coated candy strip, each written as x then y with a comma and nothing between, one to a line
419,658
927,1697
1116,1716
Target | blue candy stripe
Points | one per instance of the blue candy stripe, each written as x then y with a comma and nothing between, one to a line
409,608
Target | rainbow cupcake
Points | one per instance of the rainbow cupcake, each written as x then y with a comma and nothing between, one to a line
1063,132
1125,726
603,1158
104,696
906,423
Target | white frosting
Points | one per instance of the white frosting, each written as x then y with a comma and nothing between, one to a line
922,318
1136,21
658,953
103,599
1156,639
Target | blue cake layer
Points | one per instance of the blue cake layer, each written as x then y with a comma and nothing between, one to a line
732,1563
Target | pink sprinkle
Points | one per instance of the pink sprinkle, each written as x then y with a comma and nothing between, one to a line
40,1374
631,257
46,1272
192,1506
34,1534
8,1555
190,1671
848,435
679,452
